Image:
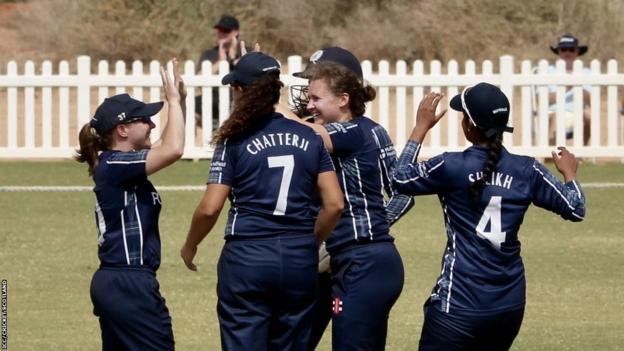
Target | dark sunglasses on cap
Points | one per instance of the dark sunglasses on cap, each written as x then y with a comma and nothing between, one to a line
137,119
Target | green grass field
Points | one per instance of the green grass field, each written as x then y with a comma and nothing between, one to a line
48,246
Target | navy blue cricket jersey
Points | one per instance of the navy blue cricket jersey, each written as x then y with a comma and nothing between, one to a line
273,173
482,271
126,211
365,158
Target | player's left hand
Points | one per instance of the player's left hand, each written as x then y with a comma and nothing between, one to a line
188,253
566,163
172,87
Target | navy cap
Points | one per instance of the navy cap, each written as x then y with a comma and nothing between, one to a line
227,22
569,41
486,106
334,54
120,109
250,67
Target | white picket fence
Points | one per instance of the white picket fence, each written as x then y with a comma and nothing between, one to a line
41,111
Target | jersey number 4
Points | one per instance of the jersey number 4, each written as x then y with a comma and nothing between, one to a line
492,214
288,163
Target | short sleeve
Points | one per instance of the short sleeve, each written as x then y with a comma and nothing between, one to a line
221,168
126,168
326,164
346,137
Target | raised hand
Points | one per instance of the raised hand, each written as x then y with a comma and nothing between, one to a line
173,88
243,48
177,79
426,117
566,163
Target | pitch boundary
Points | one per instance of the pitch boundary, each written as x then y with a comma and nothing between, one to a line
78,188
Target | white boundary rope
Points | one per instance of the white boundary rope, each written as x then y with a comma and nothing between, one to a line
64,188
56,188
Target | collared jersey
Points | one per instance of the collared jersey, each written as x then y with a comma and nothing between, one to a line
365,158
126,210
482,271
273,173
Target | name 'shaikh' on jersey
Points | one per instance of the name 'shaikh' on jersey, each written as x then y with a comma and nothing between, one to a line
497,179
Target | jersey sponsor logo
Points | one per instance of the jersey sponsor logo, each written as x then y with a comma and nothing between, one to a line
336,306
497,179
387,151
217,166
278,139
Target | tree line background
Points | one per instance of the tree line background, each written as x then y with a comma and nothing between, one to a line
372,29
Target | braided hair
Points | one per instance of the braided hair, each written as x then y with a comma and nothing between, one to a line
494,146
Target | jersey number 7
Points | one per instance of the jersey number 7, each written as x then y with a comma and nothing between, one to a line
288,163
492,214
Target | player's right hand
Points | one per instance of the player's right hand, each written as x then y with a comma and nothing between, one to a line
188,253
426,116
324,259
566,163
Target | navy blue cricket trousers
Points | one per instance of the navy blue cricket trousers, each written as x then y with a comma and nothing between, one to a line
458,332
367,281
132,313
266,289
322,310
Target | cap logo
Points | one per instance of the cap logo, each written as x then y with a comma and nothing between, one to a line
566,40
272,68
316,56
121,116
499,110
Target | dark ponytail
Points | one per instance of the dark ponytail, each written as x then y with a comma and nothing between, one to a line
90,146
255,103
495,147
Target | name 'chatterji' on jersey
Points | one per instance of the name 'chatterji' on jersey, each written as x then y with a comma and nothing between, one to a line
276,139
497,179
